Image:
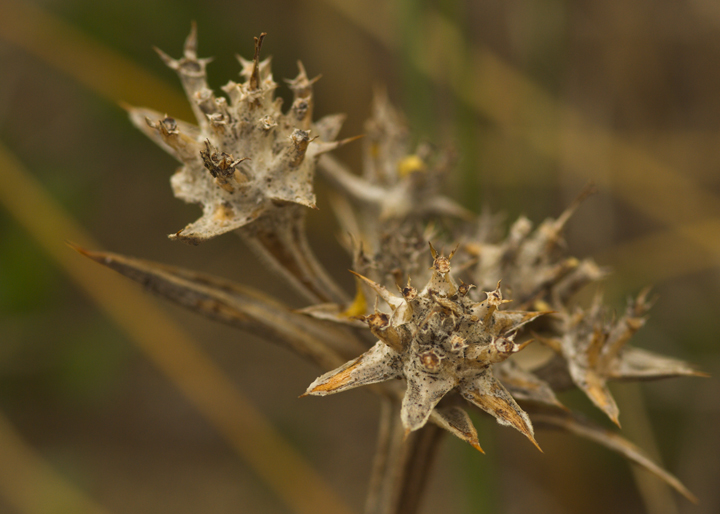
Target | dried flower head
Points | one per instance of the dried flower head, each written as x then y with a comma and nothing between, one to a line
438,339
594,350
246,158
248,164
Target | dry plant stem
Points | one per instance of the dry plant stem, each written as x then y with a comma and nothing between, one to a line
285,250
402,463
418,464
382,453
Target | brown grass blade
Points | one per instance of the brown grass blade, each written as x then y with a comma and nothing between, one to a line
86,60
27,481
584,428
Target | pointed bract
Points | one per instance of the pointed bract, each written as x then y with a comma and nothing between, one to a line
378,364
486,392
424,391
457,422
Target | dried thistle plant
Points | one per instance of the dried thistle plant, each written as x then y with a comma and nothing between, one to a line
450,345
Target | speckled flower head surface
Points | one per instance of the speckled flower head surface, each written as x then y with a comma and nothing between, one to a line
438,339
245,158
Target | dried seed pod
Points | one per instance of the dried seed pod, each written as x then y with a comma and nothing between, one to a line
246,158
248,164
436,343
594,350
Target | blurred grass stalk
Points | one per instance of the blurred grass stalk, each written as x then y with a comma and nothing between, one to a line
180,358
100,69
30,485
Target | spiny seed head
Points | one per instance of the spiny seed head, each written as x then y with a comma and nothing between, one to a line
437,342
245,159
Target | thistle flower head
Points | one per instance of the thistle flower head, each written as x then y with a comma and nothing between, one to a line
593,348
438,339
245,159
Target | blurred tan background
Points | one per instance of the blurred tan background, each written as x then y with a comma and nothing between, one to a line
538,97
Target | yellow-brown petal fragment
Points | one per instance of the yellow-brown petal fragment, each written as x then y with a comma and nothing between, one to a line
457,422
378,364
596,389
488,393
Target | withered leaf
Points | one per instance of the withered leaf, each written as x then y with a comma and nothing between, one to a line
582,427
237,305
